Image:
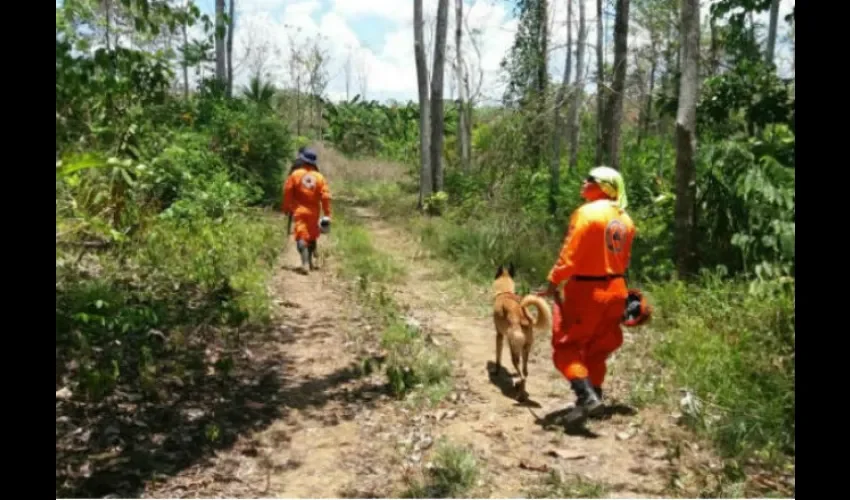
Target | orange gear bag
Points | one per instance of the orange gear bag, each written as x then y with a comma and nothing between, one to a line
638,309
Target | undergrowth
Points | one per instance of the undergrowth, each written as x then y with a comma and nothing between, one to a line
452,472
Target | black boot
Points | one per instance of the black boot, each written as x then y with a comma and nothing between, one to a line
598,391
311,251
305,256
587,402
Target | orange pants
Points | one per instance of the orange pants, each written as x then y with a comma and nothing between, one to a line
306,227
586,328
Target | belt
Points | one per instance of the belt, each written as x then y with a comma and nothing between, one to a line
598,278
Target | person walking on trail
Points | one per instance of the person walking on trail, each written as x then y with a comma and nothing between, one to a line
593,260
295,164
305,192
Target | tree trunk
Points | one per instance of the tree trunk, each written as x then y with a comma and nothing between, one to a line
232,23
555,166
771,30
600,79
614,106
463,126
715,60
107,5
298,102
542,80
647,111
425,179
348,76
220,67
573,126
686,139
185,64
437,74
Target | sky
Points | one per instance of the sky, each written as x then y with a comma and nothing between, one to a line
377,37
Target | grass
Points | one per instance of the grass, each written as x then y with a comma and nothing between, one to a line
453,471
558,485
414,367
734,349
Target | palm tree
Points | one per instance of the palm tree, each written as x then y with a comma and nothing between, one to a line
259,92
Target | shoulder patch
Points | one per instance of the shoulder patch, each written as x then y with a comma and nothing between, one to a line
615,236
309,181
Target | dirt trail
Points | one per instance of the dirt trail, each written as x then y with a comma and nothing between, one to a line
618,452
334,434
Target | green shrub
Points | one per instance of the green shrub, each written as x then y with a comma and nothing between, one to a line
205,272
255,144
734,349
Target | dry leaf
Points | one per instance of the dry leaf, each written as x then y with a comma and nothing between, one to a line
566,455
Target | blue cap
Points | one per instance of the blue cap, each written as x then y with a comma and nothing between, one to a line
308,156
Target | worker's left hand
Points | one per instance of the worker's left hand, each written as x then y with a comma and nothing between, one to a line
549,290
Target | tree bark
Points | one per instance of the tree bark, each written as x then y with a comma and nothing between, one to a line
184,63
220,67
600,79
647,111
573,126
425,179
462,82
771,30
542,81
232,23
555,166
437,74
686,139
614,106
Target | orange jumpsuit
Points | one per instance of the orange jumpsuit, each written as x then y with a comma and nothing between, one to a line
305,191
594,256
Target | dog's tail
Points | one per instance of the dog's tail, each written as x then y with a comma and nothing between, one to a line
544,314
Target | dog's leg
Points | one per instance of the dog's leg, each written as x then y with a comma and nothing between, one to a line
526,351
515,354
520,385
500,341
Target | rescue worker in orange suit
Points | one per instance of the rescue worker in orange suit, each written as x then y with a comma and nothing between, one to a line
306,192
593,260
297,163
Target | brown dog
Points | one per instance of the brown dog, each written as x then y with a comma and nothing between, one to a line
513,320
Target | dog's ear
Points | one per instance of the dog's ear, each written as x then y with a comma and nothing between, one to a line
512,270
499,271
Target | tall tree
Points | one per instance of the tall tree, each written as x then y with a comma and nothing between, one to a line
600,79
231,24
220,28
614,107
771,30
686,139
578,91
527,66
316,60
555,166
542,78
464,129
347,72
437,74
184,62
362,77
425,179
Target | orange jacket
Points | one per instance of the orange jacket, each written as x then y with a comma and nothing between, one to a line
305,191
598,242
